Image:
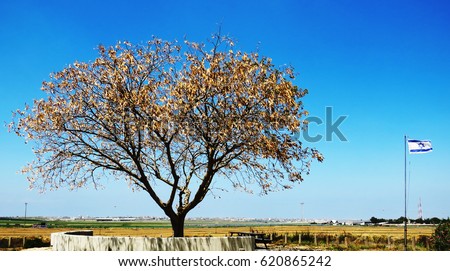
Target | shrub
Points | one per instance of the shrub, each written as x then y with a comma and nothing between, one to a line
36,242
441,236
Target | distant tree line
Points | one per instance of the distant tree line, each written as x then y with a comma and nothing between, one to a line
433,220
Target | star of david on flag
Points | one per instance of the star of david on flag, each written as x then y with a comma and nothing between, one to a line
419,146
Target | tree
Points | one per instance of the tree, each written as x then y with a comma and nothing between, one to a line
162,113
375,220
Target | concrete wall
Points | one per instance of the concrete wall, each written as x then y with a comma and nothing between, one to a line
85,241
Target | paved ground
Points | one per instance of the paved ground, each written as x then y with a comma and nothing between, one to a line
39,249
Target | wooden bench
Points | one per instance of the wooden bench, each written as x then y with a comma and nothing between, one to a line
259,237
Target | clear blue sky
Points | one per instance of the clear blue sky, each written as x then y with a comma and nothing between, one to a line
383,64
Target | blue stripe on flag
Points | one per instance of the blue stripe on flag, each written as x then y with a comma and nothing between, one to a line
422,150
416,141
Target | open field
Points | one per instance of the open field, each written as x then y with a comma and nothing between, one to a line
20,228
283,235
396,232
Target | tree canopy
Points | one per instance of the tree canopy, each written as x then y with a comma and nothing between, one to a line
171,114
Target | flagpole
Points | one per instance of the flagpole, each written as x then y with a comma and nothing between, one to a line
414,146
406,219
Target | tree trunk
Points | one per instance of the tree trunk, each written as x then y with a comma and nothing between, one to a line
177,222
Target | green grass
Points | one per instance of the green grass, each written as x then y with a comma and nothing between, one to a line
20,222
12,222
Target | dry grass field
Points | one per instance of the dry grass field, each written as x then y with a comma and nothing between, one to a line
16,234
395,232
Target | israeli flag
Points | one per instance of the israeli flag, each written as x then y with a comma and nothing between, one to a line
419,146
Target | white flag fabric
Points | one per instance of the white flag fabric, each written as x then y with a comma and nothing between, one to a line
419,146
